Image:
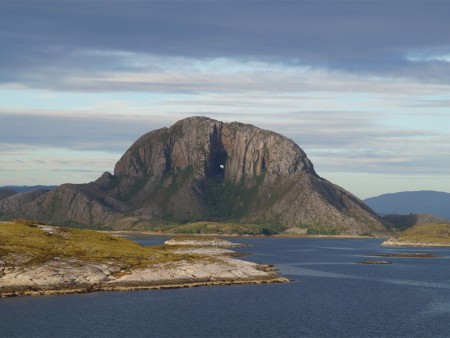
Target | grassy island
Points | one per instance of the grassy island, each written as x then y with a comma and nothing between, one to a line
36,258
423,235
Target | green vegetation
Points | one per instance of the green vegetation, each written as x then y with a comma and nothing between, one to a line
39,243
325,231
319,230
227,200
429,233
225,228
73,224
137,186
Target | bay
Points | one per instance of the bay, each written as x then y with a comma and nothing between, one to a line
329,296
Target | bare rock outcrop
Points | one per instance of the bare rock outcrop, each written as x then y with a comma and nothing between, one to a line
203,169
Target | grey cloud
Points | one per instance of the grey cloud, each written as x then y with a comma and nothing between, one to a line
357,142
365,36
88,171
335,141
430,103
251,81
112,134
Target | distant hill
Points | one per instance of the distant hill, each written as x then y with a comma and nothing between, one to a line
24,188
412,202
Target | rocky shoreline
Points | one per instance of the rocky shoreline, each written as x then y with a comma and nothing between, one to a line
212,265
395,242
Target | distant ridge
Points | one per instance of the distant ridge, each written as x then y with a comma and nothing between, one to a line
6,192
24,188
412,202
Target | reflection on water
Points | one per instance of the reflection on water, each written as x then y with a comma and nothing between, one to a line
302,272
437,308
338,248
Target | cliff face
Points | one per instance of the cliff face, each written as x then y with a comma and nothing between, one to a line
201,169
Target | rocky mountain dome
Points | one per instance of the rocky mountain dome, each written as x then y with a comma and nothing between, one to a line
203,169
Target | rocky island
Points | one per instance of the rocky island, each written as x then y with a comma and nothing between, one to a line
38,259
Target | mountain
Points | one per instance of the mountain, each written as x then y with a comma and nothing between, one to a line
23,188
416,202
203,169
6,192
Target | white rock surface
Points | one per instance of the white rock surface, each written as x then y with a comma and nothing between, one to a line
221,243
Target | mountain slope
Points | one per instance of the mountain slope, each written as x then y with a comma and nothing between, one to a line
403,222
202,169
6,192
415,202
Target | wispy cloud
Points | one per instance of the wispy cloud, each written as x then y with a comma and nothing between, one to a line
353,141
166,74
352,35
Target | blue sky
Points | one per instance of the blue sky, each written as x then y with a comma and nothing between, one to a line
362,86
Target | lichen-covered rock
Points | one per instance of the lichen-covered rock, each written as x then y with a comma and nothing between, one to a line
203,169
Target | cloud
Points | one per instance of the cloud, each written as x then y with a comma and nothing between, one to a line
89,132
368,37
52,164
219,76
335,141
361,86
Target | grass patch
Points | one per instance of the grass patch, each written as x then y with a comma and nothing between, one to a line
27,239
225,228
319,230
323,231
226,200
429,233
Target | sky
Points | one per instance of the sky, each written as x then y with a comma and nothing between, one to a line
363,87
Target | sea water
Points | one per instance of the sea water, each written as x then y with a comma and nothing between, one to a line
329,296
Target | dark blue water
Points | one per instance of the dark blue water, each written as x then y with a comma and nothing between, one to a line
329,297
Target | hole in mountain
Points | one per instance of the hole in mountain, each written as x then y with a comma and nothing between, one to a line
217,165
217,157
